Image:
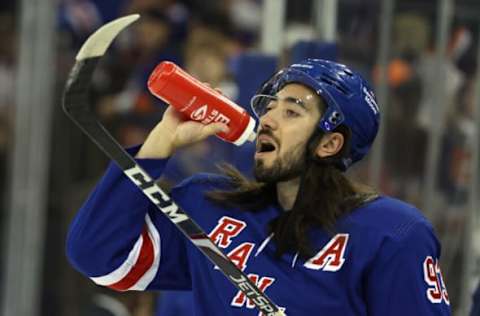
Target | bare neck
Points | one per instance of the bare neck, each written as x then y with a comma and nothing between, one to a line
287,193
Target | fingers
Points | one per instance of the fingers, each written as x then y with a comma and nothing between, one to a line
215,128
172,112
216,89
191,132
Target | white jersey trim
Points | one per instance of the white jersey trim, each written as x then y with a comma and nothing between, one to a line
122,271
149,275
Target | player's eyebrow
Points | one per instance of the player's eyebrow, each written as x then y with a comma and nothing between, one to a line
296,101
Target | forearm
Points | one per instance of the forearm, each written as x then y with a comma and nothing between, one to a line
110,223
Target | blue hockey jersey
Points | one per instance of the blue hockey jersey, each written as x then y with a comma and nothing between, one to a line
382,260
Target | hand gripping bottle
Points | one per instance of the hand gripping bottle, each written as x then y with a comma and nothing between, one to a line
198,102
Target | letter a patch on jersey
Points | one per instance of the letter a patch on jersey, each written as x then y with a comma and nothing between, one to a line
331,257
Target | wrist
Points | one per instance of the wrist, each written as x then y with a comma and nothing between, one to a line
154,152
158,145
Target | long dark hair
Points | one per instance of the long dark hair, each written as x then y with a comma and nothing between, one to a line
325,194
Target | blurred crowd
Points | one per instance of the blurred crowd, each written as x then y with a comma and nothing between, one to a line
210,40
7,79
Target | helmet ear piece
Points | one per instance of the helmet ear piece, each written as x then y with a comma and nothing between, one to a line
331,119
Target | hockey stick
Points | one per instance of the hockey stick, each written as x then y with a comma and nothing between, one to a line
75,105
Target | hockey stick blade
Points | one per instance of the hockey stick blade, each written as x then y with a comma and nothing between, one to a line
97,44
76,106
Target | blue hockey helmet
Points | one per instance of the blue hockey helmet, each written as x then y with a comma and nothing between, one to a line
348,98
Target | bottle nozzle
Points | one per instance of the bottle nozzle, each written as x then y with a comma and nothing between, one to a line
252,137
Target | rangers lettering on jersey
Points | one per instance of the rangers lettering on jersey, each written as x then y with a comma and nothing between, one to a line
252,293
240,254
262,283
226,229
222,235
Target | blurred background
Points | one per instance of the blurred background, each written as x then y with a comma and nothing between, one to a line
421,55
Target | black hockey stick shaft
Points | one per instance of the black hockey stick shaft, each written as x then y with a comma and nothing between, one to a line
76,106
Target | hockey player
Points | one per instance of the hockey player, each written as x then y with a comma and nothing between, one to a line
312,240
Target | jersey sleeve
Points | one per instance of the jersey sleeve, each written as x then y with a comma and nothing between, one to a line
120,240
406,279
476,302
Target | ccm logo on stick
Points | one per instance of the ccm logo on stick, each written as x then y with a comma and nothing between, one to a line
155,194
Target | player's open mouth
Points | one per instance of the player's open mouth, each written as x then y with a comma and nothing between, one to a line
265,146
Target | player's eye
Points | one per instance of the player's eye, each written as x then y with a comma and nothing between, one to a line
291,113
271,104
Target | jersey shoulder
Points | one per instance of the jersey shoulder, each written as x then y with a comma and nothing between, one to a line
388,216
205,181
195,187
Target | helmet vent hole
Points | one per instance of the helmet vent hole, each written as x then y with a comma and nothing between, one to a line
336,85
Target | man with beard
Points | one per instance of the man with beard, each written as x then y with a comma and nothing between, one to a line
314,241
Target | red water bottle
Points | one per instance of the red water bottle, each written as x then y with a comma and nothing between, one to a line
198,102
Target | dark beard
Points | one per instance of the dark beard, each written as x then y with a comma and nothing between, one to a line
283,169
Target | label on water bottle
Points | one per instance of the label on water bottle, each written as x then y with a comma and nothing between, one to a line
189,104
200,115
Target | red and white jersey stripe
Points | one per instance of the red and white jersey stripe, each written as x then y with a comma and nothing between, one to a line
141,265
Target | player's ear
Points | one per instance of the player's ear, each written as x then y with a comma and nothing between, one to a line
330,145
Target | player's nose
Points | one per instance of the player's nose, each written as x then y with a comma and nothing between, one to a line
268,121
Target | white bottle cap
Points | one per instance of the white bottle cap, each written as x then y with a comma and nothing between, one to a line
252,137
248,134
